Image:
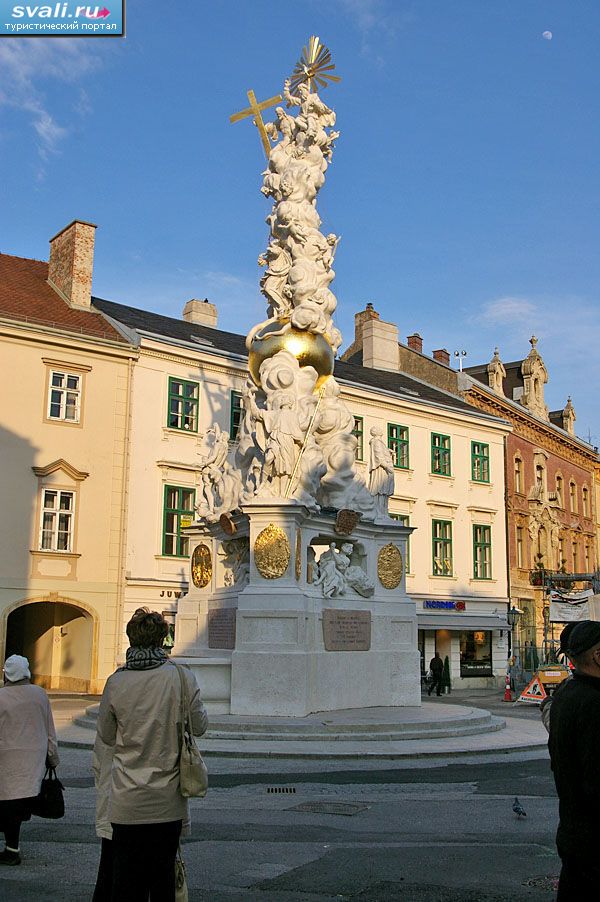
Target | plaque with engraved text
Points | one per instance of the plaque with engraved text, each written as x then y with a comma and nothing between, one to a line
346,630
221,628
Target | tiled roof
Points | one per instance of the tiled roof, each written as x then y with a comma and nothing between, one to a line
179,329
230,342
26,296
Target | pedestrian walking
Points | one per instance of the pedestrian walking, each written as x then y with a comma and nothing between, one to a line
436,666
27,745
574,742
141,811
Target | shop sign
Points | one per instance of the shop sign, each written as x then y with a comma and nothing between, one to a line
433,604
475,668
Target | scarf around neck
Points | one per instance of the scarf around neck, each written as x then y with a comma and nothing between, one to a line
137,658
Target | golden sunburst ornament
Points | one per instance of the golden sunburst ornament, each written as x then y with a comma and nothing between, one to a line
313,66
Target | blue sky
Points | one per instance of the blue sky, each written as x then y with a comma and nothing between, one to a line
465,184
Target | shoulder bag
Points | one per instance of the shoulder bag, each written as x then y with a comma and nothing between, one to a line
193,775
181,889
50,801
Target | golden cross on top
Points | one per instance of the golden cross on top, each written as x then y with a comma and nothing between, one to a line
255,110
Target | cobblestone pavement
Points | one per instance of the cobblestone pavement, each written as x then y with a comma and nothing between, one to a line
438,834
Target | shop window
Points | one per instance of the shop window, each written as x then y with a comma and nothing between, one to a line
476,653
397,439
480,462
236,413
182,410
178,512
359,432
440,454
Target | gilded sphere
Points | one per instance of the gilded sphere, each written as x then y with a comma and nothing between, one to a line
308,348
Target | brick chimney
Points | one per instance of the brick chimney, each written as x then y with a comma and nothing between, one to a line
72,262
362,317
202,313
442,356
415,342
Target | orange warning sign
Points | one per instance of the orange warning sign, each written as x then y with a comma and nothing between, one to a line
534,693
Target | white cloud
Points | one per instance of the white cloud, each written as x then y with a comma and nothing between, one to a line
225,279
28,66
568,330
507,310
364,13
375,20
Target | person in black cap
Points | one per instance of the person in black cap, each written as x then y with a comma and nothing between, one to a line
562,653
574,745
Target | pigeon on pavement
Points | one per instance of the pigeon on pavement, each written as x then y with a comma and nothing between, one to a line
518,809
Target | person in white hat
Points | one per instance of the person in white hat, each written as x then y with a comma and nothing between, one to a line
27,742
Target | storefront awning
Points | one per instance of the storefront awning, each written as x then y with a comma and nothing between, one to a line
459,622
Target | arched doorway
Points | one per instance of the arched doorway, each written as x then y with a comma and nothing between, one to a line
57,638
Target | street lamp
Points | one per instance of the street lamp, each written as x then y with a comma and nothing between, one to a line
460,355
513,616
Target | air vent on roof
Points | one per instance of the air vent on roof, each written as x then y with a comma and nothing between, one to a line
202,341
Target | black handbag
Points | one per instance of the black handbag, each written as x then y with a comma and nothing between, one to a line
50,801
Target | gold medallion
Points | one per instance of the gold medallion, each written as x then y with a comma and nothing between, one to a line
298,555
389,566
272,552
201,566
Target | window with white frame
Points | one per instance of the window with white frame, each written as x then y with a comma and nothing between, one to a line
64,396
520,547
56,531
573,497
559,490
518,475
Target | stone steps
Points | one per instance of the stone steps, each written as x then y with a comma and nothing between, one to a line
368,725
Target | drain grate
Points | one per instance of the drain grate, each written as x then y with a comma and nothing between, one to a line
282,789
346,808
542,882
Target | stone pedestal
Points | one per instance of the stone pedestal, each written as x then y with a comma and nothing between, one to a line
256,607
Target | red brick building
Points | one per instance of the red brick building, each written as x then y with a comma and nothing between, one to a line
549,481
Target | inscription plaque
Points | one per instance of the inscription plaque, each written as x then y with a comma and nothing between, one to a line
221,628
346,630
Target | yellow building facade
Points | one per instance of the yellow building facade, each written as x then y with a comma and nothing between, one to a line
64,433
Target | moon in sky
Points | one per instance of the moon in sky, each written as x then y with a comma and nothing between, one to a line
547,35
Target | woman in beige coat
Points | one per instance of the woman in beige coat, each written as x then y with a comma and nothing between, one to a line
137,766
27,742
